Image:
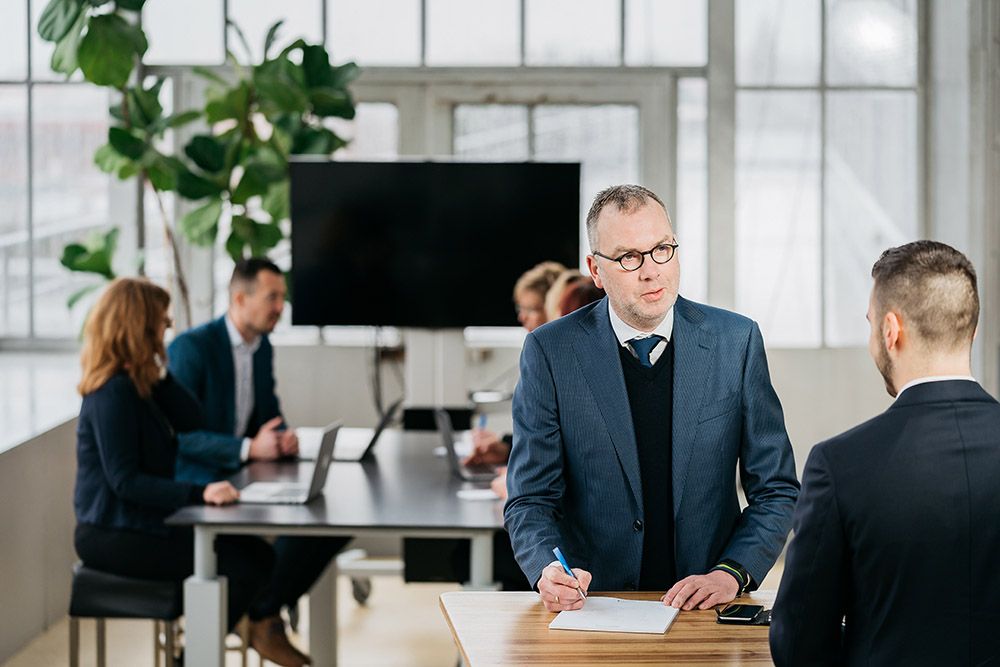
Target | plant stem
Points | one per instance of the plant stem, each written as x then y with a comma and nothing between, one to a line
168,234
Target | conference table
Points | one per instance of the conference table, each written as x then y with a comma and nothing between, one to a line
493,628
405,490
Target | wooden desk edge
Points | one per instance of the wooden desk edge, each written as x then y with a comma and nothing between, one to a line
451,626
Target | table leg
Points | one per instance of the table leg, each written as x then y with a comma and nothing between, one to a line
323,618
481,562
205,605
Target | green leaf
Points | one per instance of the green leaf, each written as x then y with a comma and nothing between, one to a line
316,141
75,297
344,75
128,170
131,5
272,34
57,18
281,86
94,255
109,160
108,50
126,143
64,58
234,246
192,186
331,102
275,201
316,66
183,118
208,74
261,237
144,104
207,152
202,224
162,175
257,178
233,103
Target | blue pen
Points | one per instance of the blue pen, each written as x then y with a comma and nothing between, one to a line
482,420
565,566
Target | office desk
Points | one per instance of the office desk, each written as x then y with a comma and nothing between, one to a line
405,491
495,628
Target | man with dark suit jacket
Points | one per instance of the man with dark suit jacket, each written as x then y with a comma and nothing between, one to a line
898,525
631,418
228,364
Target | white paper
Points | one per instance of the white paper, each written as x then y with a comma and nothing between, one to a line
601,614
476,494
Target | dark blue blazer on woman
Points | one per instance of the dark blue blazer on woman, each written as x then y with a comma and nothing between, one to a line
126,452
202,360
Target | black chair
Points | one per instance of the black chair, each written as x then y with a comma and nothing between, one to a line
101,595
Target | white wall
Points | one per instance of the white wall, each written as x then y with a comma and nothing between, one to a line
36,525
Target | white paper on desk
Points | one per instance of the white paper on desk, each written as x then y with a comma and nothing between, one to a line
476,494
600,614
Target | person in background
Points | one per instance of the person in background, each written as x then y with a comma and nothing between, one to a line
228,364
132,410
530,290
566,279
897,531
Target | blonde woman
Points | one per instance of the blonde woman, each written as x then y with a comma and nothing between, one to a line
126,449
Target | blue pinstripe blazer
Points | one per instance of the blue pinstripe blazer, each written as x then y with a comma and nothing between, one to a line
573,477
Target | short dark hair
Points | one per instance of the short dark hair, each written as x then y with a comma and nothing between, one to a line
623,197
934,287
245,273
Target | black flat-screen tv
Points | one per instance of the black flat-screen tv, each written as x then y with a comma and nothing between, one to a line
430,245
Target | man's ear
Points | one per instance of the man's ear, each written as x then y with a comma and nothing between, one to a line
893,335
592,268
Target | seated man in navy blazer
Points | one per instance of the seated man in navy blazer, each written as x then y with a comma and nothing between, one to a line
897,532
631,419
228,365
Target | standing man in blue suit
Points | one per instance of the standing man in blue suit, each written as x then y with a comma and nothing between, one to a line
228,364
631,419
897,531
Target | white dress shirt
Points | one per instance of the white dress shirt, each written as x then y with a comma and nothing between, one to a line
243,352
625,332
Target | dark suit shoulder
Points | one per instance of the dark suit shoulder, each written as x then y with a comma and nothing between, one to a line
568,324
711,316
118,386
201,334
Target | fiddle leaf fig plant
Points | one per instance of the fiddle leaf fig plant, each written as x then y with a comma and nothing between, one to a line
267,113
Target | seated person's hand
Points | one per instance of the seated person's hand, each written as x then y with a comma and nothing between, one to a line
266,445
289,443
499,483
487,448
702,591
220,493
559,591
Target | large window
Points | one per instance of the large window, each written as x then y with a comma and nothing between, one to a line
827,160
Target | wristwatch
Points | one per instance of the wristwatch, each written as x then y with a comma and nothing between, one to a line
738,572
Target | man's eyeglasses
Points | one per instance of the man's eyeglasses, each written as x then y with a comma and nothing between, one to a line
633,259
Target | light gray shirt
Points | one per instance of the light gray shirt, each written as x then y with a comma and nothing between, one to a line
243,352
626,332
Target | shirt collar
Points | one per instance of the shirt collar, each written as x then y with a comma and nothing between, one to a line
625,332
236,339
933,378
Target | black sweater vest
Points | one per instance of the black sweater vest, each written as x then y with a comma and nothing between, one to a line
650,395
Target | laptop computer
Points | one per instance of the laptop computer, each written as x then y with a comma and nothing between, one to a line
470,473
295,493
356,444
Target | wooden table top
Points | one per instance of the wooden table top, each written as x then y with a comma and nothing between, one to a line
492,628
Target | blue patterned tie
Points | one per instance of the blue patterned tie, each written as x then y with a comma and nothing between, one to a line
643,346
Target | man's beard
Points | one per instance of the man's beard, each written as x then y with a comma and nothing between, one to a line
884,365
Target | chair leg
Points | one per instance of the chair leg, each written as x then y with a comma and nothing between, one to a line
169,656
101,654
74,642
244,630
156,643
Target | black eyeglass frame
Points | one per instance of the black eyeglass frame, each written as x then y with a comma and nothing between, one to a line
642,256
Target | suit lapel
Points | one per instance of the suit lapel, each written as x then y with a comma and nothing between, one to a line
692,350
223,362
597,352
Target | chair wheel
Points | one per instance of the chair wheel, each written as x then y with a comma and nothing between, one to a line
361,588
